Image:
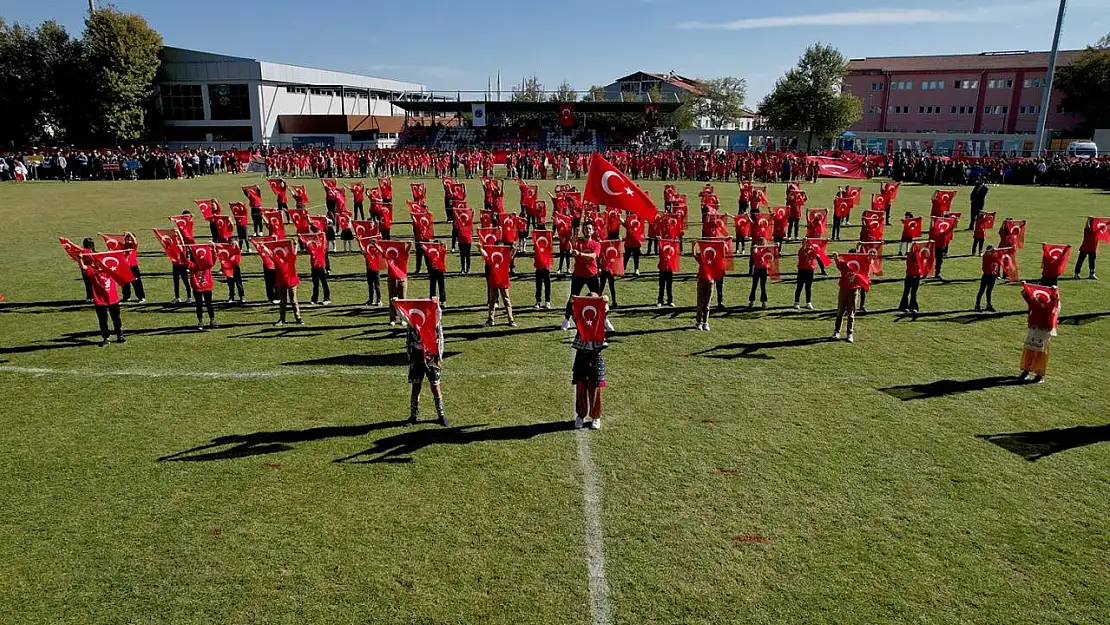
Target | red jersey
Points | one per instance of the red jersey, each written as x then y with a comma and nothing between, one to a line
586,267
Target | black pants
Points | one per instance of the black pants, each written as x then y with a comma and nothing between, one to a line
651,243
181,276
720,285
88,287
102,314
384,232
759,279
464,256
836,229
454,235
320,277
269,276
666,283
360,212
634,254
591,284
862,301
564,260
1047,281
942,253
373,287
241,234
140,292
543,285
792,228
1091,262
909,293
204,300
805,281
256,220
418,251
986,286
436,284
977,246
607,280
233,283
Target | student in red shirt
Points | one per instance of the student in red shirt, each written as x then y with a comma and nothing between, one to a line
907,237
200,277
1088,250
846,299
759,270
318,260
105,298
373,270
916,269
585,252
807,264
131,245
979,236
992,267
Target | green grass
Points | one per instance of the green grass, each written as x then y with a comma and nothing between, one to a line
749,477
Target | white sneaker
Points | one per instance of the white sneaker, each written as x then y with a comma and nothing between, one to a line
176,301
851,339
547,305
809,306
275,301
697,326
797,307
595,424
608,326
394,323
636,273
565,325
578,423
327,302
705,326
188,300
142,301
836,336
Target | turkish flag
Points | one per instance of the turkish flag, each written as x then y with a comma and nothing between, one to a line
184,225
75,251
1101,226
942,201
670,255
300,194
890,192
112,263
436,253
229,256
320,222
396,255
1044,306
275,185
874,249
1007,259
1054,259
489,236
761,228
742,225
510,226
542,250
942,230
589,318
329,183
878,202
1016,230
363,229
385,185
842,207
714,257
859,266
612,257
254,195
274,223
498,259
566,115
112,241
225,229
817,223
317,247
911,228
423,316
926,252
204,256
458,191
855,193
283,253
830,167
984,223
780,215
208,208
767,257
423,227
872,228
419,192
464,224
239,211
299,218
821,247
172,245
345,221
607,185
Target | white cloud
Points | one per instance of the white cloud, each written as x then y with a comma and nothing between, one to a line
872,17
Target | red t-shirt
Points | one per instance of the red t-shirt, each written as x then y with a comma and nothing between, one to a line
991,264
1090,241
586,267
103,287
807,258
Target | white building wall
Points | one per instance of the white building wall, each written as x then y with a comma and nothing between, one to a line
276,100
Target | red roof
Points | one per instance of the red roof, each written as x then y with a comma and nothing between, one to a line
994,61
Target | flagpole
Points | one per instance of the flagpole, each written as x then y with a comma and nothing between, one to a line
1042,119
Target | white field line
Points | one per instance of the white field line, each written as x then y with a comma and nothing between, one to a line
600,609
238,375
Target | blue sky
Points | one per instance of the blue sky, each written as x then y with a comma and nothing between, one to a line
457,45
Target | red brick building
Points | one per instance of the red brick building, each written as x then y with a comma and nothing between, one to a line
991,92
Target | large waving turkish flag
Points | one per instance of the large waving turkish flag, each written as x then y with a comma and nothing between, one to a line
609,186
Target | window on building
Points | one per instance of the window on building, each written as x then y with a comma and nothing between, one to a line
940,84
974,84
924,85
908,86
921,110
182,102
232,133
954,108
1009,83
229,102
1005,109
957,84
990,84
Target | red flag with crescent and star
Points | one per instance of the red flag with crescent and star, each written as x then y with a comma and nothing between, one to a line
1044,306
299,218
609,186
817,223
396,255
274,223
489,236
742,225
542,250
75,251
498,258
874,249
767,257
113,263
821,247
942,230
423,316
208,208
589,318
184,225
230,256
612,257
283,253
761,226
670,255
436,253
112,241
566,115
239,211
1054,259
254,195
363,229
714,257
172,245
859,266
225,227
1007,260
925,252
419,192
942,201
872,228
1101,226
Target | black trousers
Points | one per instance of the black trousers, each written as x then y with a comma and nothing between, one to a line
543,285
792,228
235,282
88,287
256,221
977,246
384,232
1088,256
241,234
909,293
720,284
320,277
181,276
140,292
419,253
464,256
437,284
759,280
373,287
591,284
634,254
942,253
204,300
102,314
269,276
835,228
564,260
1047,281
666,284
805,281
609,281
360,211
986,286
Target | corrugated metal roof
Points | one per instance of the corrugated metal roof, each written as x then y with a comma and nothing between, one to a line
993,61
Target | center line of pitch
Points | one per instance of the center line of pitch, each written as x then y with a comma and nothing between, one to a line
600,608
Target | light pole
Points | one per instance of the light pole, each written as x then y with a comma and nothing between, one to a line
1042,118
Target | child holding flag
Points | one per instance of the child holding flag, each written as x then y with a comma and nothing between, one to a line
1044,312
1093,232
105,297
588,370
425,359
992,267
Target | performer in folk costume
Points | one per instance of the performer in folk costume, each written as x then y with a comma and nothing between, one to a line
1095,230
1044,313
854,276
585,252
588,371
105,297
425,355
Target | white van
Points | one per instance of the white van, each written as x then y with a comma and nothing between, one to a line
1082,149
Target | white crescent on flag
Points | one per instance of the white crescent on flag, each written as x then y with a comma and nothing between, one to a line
589,319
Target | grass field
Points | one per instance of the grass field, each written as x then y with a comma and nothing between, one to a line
754,474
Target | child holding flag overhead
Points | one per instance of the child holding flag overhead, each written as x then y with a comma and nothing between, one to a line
316,245
992,267
105,297
1044,313
498,259
424,347
855,272
588,370
201,258
1095,230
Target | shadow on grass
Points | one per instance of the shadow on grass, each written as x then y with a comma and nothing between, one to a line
262,443
754,350
400,447
942,388
396,359
1036,445
92,337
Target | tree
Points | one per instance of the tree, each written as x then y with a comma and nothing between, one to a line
685,117
723,101
1086,87
35,93
1103,43
596,94
564,93
123,53
809,99
530,90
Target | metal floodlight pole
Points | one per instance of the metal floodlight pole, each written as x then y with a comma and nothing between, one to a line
92,6
1042,118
